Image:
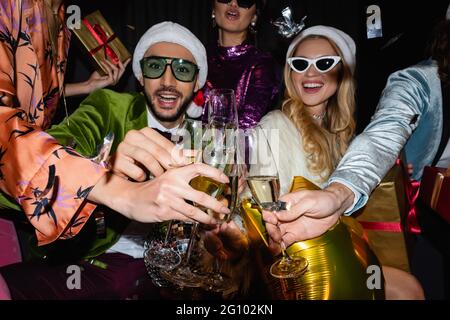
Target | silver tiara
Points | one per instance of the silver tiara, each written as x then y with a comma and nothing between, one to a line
286,25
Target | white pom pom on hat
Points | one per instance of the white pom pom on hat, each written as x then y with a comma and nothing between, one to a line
194,111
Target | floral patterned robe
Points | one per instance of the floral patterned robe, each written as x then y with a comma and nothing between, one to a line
31,161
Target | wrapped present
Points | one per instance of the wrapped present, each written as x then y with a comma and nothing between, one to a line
100,41
435,190
389,218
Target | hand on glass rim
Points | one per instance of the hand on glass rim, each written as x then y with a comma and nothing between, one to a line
146,150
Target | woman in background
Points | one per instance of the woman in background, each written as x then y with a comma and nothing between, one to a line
235,62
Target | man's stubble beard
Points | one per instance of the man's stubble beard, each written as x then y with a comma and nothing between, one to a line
178,114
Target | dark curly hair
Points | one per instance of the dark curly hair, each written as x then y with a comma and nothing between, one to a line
439,50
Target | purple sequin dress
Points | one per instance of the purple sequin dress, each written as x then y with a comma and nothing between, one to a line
252,73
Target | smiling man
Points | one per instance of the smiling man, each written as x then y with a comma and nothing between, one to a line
168,94
170,63
167,97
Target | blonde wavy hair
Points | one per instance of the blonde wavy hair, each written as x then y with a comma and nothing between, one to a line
324,145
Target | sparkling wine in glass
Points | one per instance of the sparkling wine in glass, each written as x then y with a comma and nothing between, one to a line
223,124
264,184
190,137
162,253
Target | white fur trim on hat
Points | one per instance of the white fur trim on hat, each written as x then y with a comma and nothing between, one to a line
174,33
342,40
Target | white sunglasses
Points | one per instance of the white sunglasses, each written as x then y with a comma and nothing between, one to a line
322,64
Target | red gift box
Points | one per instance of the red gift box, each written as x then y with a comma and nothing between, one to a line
435,190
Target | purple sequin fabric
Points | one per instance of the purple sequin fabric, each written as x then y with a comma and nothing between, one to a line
252,73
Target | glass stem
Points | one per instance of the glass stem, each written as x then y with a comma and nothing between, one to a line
190,247
286,256
216,266
169,229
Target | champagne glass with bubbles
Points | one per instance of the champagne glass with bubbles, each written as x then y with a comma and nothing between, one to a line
190,137
163,253
222,139
264,184
217,149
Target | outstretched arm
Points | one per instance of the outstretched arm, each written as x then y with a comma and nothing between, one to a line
403,102
35,171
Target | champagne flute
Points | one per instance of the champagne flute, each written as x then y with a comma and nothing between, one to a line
218,151
191,138
216,154
222,124
264,184
163,254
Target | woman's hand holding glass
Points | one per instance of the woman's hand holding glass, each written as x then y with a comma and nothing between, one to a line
264,184
300,221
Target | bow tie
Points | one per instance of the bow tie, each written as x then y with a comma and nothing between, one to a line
166,135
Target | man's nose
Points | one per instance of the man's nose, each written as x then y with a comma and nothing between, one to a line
167,78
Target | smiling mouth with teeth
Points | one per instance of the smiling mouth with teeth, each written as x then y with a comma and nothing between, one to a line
233,14
312,85
167,97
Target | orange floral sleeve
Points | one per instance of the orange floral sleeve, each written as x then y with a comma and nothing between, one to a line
51,182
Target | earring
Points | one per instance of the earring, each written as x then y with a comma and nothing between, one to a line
252,27
213,17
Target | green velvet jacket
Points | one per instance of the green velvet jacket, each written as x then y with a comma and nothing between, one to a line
101,112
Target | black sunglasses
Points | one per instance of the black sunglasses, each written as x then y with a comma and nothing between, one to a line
154,67
246,4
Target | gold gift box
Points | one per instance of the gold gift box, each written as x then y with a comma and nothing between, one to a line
383,219
100,41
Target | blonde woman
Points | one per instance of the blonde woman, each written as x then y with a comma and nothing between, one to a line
316,122
316,125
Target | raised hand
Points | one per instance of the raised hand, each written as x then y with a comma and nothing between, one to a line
114,73
97,81
143,150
